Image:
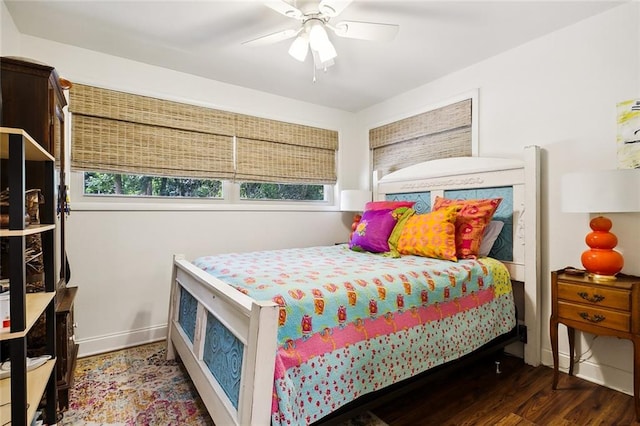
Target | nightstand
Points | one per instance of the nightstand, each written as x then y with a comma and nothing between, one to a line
610,308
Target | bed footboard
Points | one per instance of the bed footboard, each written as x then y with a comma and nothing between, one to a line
227,343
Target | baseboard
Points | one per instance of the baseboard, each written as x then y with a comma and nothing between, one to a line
112,342
601,374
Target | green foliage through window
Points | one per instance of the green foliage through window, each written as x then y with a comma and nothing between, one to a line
152,186
279,191
96,183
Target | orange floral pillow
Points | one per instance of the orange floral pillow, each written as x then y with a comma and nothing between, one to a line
473,218
430,234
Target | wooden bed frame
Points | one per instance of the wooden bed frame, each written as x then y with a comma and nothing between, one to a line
254,323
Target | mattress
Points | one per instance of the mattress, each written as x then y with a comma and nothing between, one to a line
351,323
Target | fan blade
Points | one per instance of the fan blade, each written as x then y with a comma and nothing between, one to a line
272,38
333,8
365,30
284,8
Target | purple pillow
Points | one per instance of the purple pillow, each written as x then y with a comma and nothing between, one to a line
373,231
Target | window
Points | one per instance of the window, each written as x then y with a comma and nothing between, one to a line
442,132
108,184
133,141
150,186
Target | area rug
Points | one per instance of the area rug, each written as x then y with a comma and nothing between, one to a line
138,386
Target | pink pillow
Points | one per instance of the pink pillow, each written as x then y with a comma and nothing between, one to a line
383,205
473,217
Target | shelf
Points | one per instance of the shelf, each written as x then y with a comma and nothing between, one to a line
36,304
36,383
30,230
32,150
31,132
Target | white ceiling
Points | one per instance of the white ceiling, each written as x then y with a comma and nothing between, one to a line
205,38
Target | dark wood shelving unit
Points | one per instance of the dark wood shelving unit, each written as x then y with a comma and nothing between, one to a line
33,100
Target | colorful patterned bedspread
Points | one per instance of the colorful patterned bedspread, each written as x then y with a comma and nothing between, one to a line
352,323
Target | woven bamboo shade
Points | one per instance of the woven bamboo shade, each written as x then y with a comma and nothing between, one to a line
121,132
115,146
262,161
261,129
440,133
105,103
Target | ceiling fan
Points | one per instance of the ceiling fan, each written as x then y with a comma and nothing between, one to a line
311,35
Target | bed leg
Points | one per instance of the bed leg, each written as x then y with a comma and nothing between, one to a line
171,350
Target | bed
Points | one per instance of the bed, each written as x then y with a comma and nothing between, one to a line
291,336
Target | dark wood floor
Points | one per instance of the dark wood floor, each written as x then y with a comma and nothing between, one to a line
520,395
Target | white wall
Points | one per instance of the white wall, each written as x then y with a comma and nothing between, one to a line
559,92
9,34
121,260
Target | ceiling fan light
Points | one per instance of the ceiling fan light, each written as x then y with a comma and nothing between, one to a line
318,36
320,43
328,52
300,47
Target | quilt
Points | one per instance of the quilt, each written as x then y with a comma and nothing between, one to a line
351,323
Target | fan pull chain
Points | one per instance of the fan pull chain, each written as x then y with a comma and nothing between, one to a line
314,72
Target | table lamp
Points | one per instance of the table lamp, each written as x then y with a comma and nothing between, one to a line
354,200
604,191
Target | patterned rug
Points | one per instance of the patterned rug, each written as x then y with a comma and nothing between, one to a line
138,386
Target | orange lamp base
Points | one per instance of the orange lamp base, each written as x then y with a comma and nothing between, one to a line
354,225
601,261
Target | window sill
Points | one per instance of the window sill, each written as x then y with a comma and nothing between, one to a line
209,206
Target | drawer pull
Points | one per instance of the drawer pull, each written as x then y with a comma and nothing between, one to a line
595,299
595,318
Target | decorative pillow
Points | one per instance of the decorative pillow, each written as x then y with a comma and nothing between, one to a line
430,234
473,217
490,236
383,205
373,231
402,214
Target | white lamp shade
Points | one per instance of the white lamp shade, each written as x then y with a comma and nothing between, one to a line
604,191
300,47
328,52
318,36
354,200
320,43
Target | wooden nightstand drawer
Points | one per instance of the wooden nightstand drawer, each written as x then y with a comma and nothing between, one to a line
595,316
600,307
597,296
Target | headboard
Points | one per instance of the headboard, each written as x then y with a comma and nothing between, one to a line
516,181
